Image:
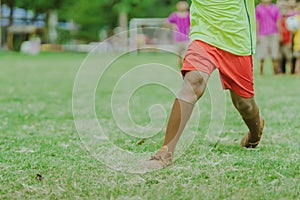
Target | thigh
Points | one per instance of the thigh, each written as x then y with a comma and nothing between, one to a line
197,58
236,73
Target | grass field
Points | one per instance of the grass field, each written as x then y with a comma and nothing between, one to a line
42,156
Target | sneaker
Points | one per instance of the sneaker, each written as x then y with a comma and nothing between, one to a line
245,141
160,159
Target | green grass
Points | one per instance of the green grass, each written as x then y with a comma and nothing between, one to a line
38,136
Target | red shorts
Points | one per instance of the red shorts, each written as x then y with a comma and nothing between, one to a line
236,72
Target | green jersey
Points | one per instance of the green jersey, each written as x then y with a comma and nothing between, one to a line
227,24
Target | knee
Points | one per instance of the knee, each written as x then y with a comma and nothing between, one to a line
197,82
244,106
193,86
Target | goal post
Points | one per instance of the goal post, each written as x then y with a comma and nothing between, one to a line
150,34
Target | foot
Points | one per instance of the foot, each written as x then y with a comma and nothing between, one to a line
160,159
246,142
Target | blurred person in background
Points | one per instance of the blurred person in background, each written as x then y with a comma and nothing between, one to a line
292,11
292,7
286,53
268,34
296,43
281,4
180,19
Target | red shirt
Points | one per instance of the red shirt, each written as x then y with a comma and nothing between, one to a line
286,35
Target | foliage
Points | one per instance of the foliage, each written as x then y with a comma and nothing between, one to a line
99,14
63,35
40,6
91,17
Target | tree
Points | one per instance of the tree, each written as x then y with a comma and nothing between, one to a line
94,15
91,16
38,7
11,5
42,6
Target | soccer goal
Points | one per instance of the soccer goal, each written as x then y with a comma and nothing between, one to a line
150,34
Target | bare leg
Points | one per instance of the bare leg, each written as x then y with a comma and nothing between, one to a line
179,116
275,63
182,48
250,114
261,67
192,89
283,61
289,63
180,59
293,65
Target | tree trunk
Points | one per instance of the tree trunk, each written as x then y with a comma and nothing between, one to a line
123,20
11,5
52,23
123,24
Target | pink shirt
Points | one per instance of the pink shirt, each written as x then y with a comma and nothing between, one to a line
267,17
183,26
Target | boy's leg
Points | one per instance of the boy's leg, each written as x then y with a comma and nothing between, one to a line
250,114
193,87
